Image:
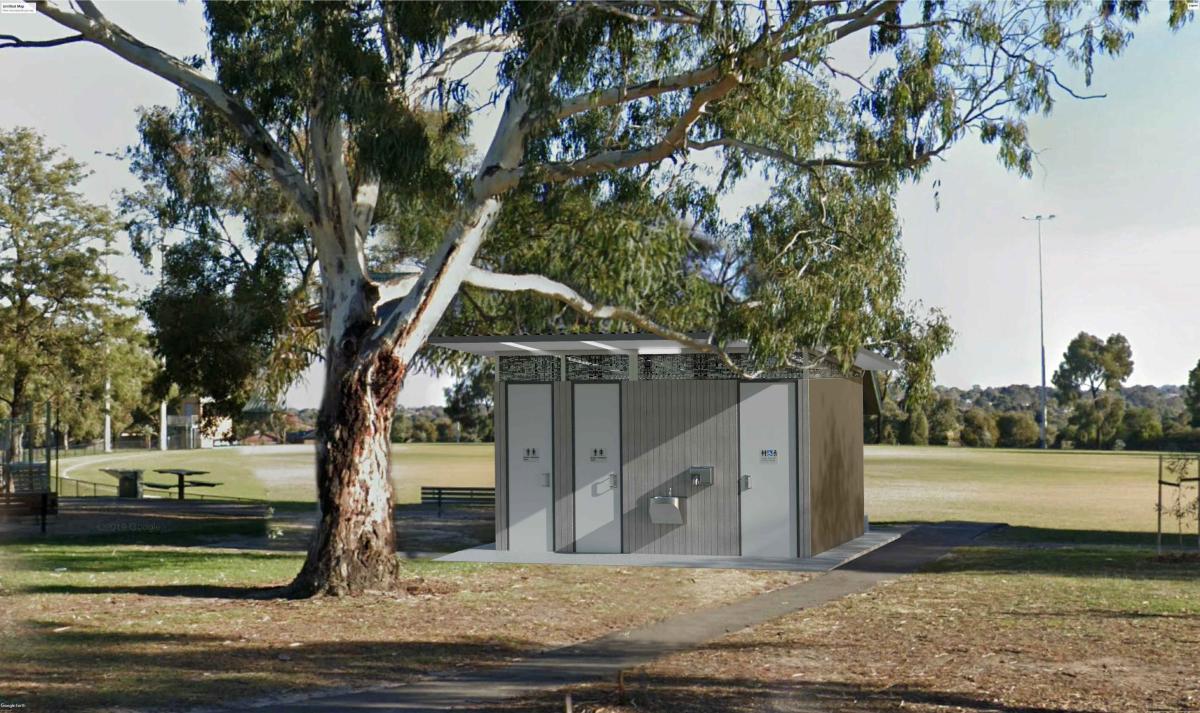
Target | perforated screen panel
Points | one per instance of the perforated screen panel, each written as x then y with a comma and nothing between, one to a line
529,368
597,367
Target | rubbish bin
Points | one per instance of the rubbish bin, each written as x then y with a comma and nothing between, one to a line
130,484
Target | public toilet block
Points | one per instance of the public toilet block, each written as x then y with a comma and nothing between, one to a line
628,443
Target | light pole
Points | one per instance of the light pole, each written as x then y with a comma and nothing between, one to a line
108,441
1041,322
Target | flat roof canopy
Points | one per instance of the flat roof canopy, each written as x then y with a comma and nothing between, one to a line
641,343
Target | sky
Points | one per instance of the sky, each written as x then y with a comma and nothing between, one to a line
1121,173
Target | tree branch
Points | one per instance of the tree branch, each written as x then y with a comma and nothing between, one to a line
538,284
440,68
684,18
366,197
14,41
807,164
674,140
394,287
403,331
866,16
95,28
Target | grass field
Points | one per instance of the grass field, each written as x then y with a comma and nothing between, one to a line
1060,490
121,626
1003,630
1012,624
285,473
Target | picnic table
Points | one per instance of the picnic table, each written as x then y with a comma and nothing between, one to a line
184,483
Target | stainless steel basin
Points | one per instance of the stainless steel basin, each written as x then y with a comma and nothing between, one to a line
666,510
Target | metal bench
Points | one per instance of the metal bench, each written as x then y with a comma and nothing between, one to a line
462,497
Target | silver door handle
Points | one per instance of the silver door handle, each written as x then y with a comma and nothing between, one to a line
745,482
612,481
545,480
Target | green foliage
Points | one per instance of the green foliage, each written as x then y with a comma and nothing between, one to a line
1096,422
230,310
1090,363
1016,430
916,429
1141,428
816,263
979,429
64,322
893,424
469,403
1192,395
918,343
424,430
944,422
402,428
215,319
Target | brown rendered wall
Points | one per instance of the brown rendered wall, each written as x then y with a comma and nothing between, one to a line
836,433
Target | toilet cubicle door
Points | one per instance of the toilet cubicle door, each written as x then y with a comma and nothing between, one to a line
530,468
767,435
597,426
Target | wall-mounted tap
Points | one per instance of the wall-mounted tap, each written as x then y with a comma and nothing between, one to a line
701,475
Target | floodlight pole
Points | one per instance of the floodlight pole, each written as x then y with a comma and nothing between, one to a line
162,405
1041,324
108,441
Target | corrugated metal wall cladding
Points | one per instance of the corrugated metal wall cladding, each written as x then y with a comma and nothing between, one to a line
668,426
501,432
564,468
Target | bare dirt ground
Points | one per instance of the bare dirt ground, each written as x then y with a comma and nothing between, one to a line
989,629
130,626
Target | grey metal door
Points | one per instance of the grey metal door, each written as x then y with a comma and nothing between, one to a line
767,433
597,467
530,468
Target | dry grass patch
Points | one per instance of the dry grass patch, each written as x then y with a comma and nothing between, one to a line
115,626
990,629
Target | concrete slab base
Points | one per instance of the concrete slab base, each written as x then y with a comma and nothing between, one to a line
823,562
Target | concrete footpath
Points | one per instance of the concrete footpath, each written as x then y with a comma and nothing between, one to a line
601,659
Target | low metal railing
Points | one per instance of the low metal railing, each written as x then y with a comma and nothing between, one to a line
75,488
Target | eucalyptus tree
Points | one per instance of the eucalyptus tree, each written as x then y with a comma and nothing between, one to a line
64,329
596,198
1089,363
1192,395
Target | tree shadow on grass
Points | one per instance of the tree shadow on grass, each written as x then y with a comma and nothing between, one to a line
668,694
1050,536
195,591
1031,551
101,560
86,669
1083,561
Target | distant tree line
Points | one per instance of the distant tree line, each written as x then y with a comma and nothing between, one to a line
1087,407
466,418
